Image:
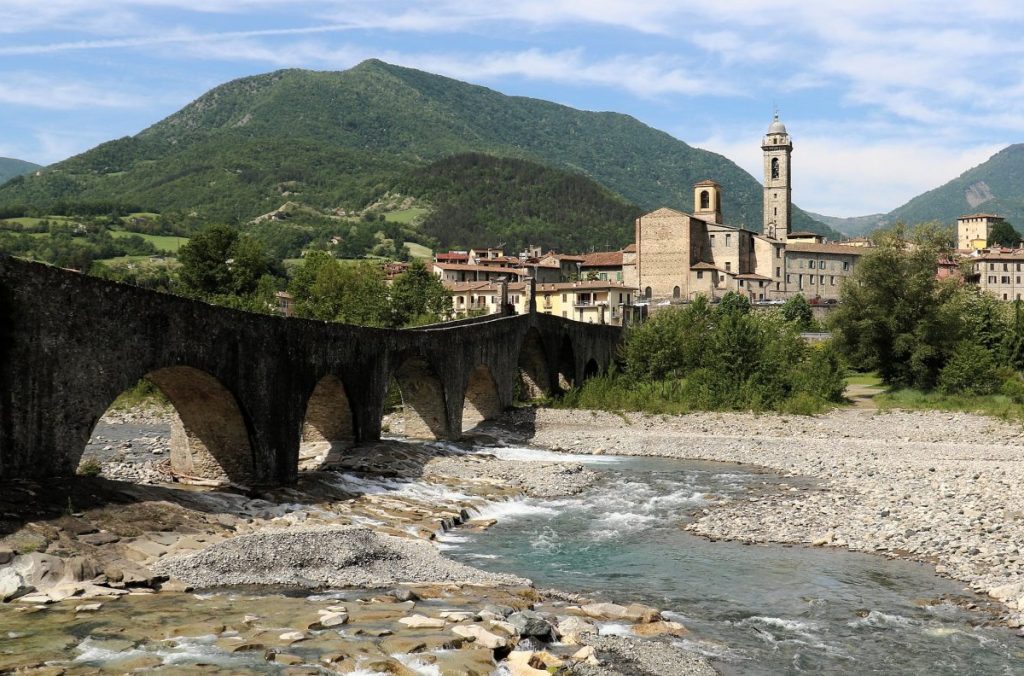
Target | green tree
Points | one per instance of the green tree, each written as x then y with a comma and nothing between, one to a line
797,311
670,344
1013,341
221,262
418,297
972,369
893,316
1004,234
324,288
734,303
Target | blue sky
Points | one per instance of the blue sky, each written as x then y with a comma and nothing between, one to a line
883,99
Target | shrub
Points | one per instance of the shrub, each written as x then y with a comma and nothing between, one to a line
89,467
972,369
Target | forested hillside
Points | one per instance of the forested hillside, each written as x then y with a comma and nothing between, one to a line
342,139
9,168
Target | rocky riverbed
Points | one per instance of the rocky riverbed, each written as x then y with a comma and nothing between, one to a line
128,570
943,488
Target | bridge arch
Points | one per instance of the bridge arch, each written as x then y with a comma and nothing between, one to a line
423,401
591,369
535,377
210,439
566,364
328,424
481,401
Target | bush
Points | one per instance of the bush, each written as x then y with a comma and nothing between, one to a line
89,467
972,369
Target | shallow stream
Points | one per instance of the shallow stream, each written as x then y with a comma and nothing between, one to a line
752,609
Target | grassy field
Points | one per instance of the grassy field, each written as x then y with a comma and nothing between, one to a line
406,215
166,243
27,221
871,379
915,400
419,251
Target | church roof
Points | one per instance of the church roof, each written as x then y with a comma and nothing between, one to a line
706,182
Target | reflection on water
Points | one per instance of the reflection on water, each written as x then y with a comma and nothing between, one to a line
752,609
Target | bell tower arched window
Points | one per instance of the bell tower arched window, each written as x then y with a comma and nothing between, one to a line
705,199
775,167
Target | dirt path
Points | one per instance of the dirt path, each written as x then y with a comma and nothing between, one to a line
863,396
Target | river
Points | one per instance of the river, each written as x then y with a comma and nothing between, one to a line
752,609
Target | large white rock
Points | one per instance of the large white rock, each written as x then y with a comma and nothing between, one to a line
422,622
480,636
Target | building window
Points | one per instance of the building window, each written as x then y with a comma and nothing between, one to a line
563,297
821,264
789,279
728,239
821,279
801,265
1005,268
778,272
700,274
675,292
778,252
846,266
810,264
832,280
1004,279
728,266
705,199
741,283
712,238
647,292
991,266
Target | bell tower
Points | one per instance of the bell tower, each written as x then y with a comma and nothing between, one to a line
778,194
707,201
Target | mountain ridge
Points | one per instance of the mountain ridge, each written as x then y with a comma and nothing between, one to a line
342,138
11,167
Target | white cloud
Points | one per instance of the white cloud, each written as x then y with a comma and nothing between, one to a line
846,174
37,91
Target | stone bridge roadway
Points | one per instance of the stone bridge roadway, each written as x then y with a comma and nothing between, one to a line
249,388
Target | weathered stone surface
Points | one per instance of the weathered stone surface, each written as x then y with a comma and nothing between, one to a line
532,624
422,622
518,663
480,635
660,628
571,628
242,400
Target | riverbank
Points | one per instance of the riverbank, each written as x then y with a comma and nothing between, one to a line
126,571
937,487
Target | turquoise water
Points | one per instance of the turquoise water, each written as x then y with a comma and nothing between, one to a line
751,609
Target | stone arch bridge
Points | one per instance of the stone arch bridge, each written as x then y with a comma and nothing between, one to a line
249,388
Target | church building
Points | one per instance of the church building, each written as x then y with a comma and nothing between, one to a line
680,256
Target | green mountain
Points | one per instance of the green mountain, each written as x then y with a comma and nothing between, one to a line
521,201
996,186
852,226
344,139
9,168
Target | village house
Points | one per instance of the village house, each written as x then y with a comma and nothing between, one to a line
483,298
594,302
1000,273
602,265
973,231
456,272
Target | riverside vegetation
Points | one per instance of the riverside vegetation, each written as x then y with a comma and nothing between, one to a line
723,357
936,344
